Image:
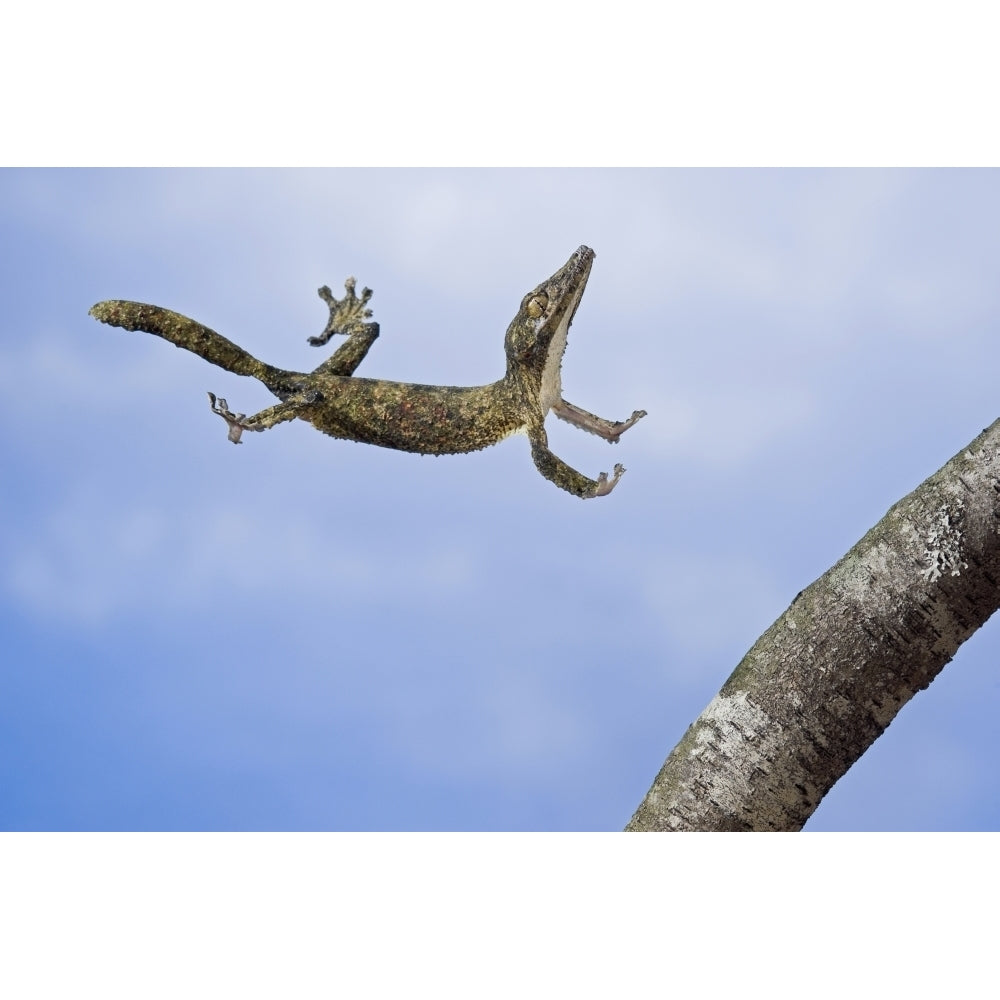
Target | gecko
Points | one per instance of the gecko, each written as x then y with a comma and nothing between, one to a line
427,419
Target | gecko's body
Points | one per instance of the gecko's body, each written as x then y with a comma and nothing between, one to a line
428,419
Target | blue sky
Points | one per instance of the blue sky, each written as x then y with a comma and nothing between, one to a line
303,633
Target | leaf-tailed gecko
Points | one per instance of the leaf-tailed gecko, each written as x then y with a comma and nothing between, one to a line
428,419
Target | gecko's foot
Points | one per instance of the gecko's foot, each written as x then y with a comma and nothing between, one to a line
610,430
234,420
605,485
621,426
346,314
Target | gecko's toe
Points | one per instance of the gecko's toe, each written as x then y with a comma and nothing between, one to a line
234,420
346,315
605,485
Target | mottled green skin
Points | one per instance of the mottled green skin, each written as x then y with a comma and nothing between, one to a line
427,419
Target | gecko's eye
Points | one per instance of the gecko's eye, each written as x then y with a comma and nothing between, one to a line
537,305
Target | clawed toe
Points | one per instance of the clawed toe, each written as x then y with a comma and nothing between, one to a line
346,314
604,485
234,420
623,425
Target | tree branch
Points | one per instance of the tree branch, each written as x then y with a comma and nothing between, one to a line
826,679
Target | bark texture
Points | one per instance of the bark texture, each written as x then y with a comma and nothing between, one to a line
827,678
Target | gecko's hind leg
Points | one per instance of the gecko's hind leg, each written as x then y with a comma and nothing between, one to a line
240,422
610,430
347,318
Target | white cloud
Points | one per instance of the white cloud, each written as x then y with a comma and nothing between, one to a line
93,556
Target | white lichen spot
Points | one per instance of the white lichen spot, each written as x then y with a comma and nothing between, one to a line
790,622
753,746
733,728
943,544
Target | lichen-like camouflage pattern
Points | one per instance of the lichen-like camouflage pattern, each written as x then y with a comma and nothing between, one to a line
428,419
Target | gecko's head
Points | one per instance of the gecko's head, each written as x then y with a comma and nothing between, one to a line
536,338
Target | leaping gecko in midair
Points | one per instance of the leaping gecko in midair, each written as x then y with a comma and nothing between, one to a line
428,419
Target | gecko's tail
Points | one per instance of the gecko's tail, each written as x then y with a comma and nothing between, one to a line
192,336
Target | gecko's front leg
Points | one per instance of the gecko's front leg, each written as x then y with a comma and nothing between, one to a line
610,430
566,477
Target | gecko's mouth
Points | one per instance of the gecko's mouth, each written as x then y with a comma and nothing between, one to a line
565,292
566,289
580,264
